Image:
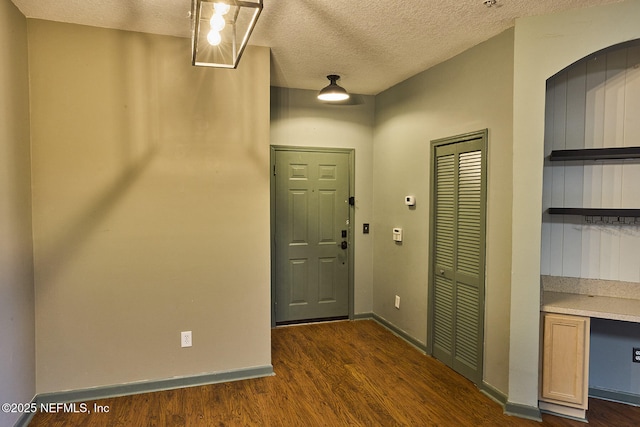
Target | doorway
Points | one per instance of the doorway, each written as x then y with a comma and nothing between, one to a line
311,227
457,270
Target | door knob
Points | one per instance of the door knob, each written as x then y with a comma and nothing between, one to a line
442,272
344,244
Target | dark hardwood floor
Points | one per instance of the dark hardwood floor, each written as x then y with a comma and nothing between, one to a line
332,374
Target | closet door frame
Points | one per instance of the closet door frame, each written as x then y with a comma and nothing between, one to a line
482,137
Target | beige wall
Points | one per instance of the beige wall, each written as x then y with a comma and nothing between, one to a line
470,92
298,119
150,208
17,351
544,45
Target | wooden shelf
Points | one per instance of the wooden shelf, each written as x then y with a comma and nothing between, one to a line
596,212
615,153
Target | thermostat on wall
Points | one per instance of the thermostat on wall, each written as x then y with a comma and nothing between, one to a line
410,200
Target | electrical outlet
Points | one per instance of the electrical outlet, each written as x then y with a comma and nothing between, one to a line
636,355
397,303
185,339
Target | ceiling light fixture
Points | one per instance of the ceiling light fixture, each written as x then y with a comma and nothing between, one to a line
220,30
333,92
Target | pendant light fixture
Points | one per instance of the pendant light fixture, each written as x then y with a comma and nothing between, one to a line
220,30
333,92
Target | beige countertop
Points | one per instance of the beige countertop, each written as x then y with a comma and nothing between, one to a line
603,307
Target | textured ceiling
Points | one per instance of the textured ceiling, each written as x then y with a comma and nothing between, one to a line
372,44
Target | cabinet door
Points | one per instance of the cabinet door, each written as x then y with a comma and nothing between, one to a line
565,360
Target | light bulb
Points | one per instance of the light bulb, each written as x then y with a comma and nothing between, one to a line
217,22
214,38
221,8
333,96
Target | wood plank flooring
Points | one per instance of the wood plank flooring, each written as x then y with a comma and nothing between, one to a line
332,374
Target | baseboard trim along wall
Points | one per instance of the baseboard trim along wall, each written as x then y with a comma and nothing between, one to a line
494,394
395,330
363,316
106,392
523,411
615,396
157,385
25,418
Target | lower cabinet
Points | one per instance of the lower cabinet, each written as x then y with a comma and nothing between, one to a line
564,387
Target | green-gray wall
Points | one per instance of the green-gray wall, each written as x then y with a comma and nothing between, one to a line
17,330
150,208
298,119
469,92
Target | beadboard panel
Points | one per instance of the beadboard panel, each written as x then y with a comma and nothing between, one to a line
593,104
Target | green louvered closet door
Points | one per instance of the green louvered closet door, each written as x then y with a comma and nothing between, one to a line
456,289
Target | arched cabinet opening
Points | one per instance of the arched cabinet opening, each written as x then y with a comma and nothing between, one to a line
590,243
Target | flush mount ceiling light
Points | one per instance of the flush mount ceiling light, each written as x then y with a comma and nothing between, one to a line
220,31
333,92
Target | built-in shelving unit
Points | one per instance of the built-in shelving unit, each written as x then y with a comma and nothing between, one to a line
613,153
634,213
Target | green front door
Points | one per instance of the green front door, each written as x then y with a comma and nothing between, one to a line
312,226
456,321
